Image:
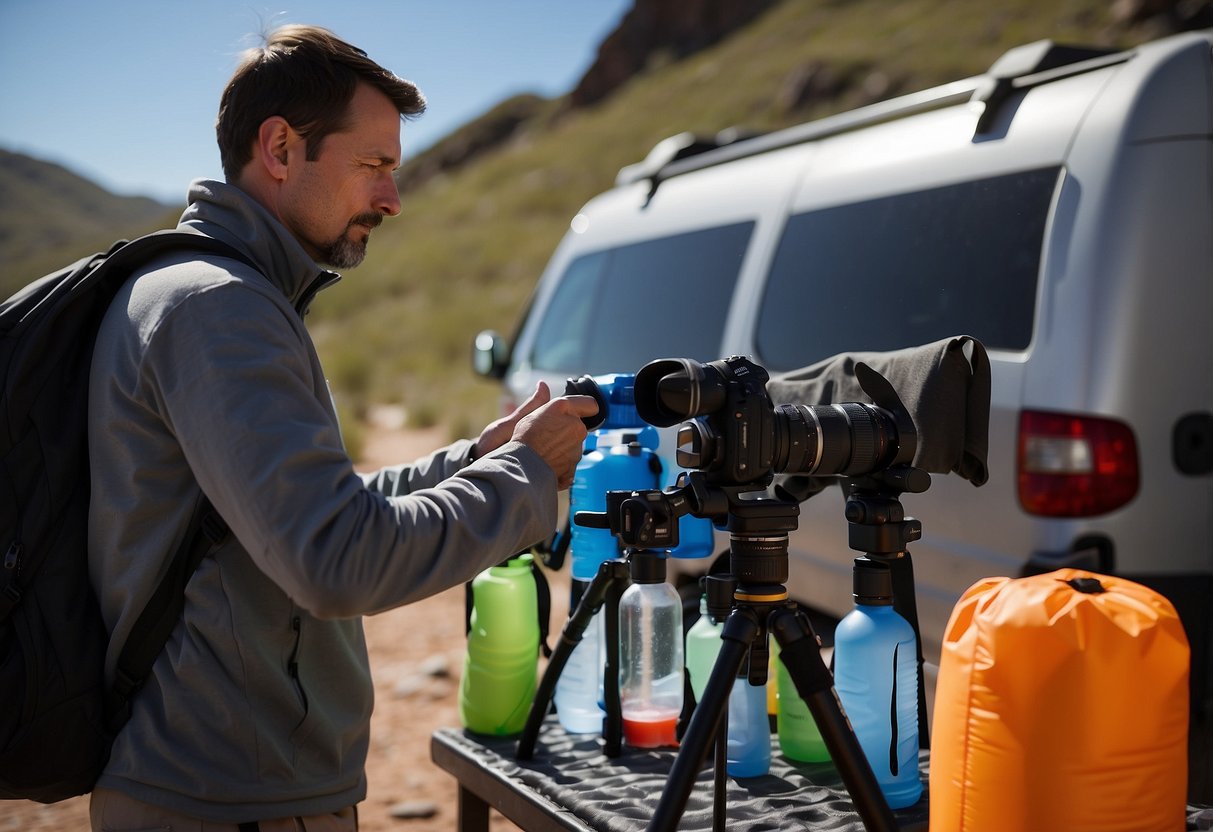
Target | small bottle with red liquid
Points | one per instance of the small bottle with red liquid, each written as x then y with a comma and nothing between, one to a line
650,654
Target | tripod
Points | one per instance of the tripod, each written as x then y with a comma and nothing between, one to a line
652,518
758,551
758,527
608,585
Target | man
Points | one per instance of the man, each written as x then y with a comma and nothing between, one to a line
206,383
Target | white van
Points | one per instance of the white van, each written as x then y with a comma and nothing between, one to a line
1058,208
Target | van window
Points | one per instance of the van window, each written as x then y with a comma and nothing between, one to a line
906,270
618,309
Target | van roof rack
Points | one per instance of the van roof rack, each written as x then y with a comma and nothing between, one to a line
1034,64
1018,69
679,146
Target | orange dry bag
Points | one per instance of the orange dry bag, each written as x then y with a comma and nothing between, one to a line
1062,704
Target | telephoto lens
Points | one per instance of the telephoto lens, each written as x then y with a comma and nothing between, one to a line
846,439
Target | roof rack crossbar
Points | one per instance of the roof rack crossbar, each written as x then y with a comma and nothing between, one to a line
997,89
955,92
1018,69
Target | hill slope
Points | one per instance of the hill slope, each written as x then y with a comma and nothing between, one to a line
484,208
49,216
470,244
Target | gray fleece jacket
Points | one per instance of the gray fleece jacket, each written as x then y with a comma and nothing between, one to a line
205,381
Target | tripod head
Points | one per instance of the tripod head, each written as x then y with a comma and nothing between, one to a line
758,526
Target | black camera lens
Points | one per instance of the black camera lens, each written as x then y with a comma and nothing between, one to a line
670,390
828,440
759,560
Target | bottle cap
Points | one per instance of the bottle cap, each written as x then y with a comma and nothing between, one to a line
646,567
873,582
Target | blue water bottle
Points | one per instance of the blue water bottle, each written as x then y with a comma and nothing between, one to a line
876,676
619,455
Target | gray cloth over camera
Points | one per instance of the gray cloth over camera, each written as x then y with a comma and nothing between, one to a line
945,387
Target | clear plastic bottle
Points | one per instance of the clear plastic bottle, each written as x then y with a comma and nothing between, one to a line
500,670
650,655
876,676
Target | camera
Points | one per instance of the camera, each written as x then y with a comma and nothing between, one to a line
733,432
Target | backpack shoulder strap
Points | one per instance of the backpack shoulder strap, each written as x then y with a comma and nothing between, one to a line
206,530
125,257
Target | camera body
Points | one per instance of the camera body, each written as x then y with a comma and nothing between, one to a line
729,432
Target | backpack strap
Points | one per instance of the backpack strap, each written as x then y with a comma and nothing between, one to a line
206,530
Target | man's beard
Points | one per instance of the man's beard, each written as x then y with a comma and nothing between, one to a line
345,252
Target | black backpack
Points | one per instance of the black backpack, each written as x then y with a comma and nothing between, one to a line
58,718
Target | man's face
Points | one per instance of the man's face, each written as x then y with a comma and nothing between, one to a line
331,204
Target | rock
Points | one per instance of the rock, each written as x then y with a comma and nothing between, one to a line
414,809
437,666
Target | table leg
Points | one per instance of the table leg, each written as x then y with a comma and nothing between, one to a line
473,811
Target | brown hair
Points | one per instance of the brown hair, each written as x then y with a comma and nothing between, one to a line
306,75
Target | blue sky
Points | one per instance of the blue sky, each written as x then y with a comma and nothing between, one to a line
125,92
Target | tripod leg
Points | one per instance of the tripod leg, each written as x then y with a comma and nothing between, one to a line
740,629
612,722
801,656
609,573
906,605
720,781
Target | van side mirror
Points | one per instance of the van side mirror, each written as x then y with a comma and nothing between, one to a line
490,355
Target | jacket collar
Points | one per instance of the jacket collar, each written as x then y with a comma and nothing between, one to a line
225,212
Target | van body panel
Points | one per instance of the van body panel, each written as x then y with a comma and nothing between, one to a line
1072,235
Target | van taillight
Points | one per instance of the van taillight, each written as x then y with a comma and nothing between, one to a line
1075,466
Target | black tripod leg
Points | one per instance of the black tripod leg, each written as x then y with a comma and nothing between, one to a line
720,770
802,657
609,574
612,722
740,629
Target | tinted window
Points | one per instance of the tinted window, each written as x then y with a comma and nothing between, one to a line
907,270
616,310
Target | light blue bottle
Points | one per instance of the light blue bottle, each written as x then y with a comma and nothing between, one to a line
577,690
749,739
876,676
748,747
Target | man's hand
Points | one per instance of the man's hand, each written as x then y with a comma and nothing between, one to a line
501,431
550,427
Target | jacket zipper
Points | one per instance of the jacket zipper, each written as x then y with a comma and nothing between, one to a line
322,281
292,664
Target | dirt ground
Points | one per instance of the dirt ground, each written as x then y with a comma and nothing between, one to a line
417,657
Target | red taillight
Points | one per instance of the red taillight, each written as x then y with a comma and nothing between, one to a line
1075,466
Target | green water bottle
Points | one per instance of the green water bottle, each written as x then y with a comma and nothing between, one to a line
799,737
499,673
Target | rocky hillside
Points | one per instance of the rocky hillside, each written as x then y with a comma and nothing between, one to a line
484,207
49,214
